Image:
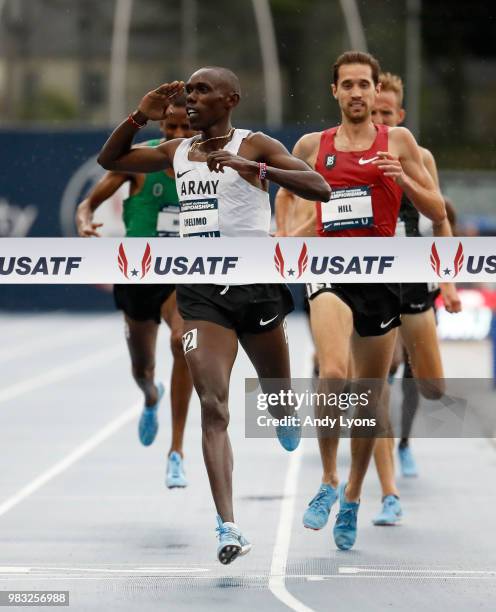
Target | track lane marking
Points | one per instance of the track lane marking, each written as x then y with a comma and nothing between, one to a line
80,451
58,373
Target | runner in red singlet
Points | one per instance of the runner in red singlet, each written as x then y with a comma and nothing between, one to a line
368,167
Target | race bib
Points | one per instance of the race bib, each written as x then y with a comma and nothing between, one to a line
349,207
199,218
168,221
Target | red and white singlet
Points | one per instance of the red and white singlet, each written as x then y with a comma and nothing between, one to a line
363,202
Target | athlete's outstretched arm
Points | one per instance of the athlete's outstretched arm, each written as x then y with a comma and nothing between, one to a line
404,165
282,168
103,190
117,153
289,171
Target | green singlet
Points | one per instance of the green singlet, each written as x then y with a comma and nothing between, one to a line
154,210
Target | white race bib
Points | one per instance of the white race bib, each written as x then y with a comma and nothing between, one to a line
200,218
168,221
349,207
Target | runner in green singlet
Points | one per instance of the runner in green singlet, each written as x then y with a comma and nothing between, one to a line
151,210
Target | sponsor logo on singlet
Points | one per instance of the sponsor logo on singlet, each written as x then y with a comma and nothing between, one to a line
189,188
330,161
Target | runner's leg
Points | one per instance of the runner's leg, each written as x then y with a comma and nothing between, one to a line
332,328
384,451
409,404
141,337
372,357
419,335
181,383
210,360
268,352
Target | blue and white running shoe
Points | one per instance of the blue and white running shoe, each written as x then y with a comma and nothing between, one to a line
391,512
148,423
407,462
345,529
232,543
290,435
175,472
317,513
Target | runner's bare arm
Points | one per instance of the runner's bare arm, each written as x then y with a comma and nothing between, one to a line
282,168
286,201
117,153
309,226
404,164
283,205
104,189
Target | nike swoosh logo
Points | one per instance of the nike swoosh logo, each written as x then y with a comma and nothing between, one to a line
362,161
180,174
384,325
262,322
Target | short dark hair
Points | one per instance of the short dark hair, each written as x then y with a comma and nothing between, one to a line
356,57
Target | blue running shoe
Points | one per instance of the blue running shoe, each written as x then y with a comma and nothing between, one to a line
345,529
391,512
407,462
148,423
175,472
232,543
317,513
290,435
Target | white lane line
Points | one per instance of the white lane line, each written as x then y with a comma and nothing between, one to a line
59,373
406,576
277,580
413,570
51,571
55,339
79,452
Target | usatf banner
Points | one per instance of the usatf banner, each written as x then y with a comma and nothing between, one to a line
246,260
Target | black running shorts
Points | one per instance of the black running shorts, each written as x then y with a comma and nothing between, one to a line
249,309
418,297
375,307
142,302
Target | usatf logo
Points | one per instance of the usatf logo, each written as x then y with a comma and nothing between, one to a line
177,266
457,262
475,264
302,262
330,161
146,262
44,266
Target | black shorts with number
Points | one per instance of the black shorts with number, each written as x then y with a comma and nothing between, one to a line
375,307
142,302
249,309
418,297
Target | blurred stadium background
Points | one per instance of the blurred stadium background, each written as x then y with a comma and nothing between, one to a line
71,70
